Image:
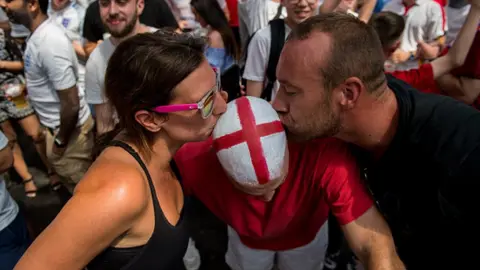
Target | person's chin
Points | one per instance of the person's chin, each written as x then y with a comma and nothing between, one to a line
298,138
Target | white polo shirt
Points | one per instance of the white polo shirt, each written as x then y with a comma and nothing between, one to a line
257,58
71,20
424,21
51,65
254,15
96,68
95,72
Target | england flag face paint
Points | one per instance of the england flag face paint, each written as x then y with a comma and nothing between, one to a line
250,142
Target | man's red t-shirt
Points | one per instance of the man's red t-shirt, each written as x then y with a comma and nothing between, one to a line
419,78
322,176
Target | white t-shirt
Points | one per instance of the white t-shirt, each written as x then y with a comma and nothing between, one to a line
51,65
95,72
456,18
71,20
254,15
424,21
8,207
257,58
96,68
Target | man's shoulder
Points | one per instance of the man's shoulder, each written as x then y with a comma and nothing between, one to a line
195,154
101,54
51,36
263,35
198,161
323,153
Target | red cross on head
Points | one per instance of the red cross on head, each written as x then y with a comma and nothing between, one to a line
249,139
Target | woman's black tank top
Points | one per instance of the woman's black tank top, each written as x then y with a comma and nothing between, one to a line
165,248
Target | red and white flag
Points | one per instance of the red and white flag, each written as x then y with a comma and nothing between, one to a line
250,141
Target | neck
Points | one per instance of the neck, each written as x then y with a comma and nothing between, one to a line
139,28
290,23
163,152
373,125
36,22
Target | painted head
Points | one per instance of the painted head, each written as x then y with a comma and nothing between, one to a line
24,11
251,145
120,16
327,64
162,87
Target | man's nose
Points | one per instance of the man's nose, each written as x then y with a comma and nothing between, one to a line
112,8
278,104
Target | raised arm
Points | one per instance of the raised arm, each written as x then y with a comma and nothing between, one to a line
98,213
329,6
458,53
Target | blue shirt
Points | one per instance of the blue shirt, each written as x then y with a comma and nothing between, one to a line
218,58
8,207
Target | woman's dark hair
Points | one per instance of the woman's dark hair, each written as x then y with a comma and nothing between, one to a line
142,74
212,13
389,26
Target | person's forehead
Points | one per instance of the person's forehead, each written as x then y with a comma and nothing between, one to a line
303,58
197,84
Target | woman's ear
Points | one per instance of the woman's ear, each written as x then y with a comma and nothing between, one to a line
151,121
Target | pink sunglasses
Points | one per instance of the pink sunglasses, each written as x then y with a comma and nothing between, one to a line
205,105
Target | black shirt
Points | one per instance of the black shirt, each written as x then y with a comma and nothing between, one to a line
425,183
165,248
156,13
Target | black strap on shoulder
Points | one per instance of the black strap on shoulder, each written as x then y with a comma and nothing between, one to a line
277,28
136,156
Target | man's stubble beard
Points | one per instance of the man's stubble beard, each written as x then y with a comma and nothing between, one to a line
129,27
324,125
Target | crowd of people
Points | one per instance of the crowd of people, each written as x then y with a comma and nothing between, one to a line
302,125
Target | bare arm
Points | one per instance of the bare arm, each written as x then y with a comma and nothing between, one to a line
14,66
367,10
460,88
98,213
79,50
6,158
69,108
254,88
371,240
104,118
329,6
458,53
89,47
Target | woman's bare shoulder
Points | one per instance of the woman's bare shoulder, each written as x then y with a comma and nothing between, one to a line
116,177
216,40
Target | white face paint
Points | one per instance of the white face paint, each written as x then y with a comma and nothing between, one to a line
250,141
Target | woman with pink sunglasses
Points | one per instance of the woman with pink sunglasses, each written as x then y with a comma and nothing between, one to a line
127,212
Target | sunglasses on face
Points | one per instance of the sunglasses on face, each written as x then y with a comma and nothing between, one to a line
205,105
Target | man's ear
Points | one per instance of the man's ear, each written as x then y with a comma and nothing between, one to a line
33,6
350,91
140,6
151,121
